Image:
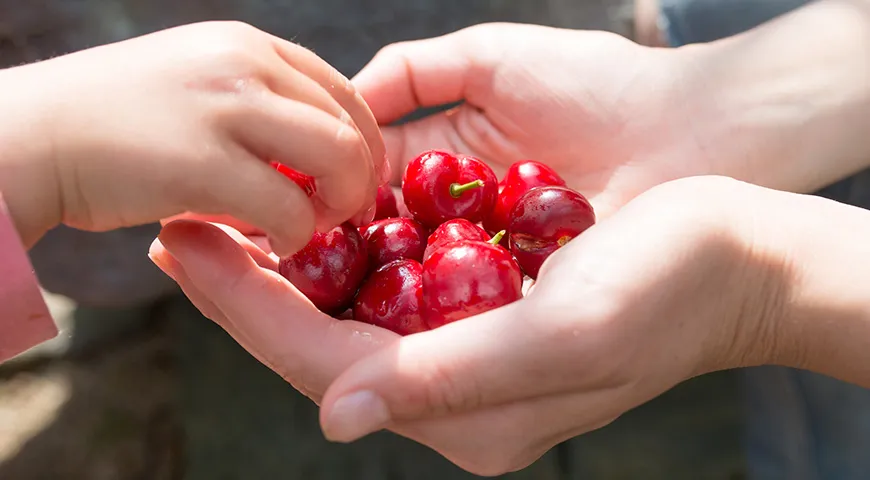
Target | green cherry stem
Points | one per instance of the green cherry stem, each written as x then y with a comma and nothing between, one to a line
497,237
457,189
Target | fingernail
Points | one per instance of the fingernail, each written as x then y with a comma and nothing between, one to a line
387,172
356,415
163,267
366,217
323,224
281,248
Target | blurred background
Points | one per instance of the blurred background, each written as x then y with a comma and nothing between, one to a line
140,386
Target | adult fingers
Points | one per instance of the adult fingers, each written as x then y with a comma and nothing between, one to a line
495,358
492,441
243,227
303,345
237,229
166,262
406,76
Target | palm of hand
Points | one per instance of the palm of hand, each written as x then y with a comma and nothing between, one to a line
595,111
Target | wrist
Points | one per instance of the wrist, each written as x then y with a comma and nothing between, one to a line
826,326
27,149
748,275
776,107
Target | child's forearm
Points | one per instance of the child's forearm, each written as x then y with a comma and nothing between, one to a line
27,148
28,207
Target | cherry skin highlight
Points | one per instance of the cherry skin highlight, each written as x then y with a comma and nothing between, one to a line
438,186
545,219
391,298
305,182
330,269
468,278
519,179
386,203
452,231
394,239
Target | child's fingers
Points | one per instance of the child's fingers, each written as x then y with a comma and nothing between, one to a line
313,142
312,66
254,193
294,85
290,83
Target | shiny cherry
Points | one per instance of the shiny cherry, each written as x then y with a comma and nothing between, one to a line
452,231
545,219
391,298
438,186
386,203
305,182
393,239
330,269
519,179
468,278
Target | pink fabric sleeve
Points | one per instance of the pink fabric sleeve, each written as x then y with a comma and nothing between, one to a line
24,317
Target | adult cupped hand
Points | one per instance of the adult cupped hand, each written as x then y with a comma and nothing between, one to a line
663,290
600,109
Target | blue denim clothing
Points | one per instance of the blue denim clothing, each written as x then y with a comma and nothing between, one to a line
799,425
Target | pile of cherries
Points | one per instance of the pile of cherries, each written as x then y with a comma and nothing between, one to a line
463,252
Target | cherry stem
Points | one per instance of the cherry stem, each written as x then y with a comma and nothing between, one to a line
497,237
457,189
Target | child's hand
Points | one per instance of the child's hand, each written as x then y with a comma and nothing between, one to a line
187,120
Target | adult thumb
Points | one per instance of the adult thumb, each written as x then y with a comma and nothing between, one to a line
483,361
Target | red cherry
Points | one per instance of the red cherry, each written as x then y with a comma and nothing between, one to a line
468,278
394,239
545,219
438,186
305,182
452,231
391,298
330,269
386,203
519,179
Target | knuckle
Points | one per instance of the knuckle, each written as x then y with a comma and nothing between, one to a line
394,50
351,155
340,84
230,52
227,28
348,142
445,394
488,463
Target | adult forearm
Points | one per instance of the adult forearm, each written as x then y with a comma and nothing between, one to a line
825,321
786,105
